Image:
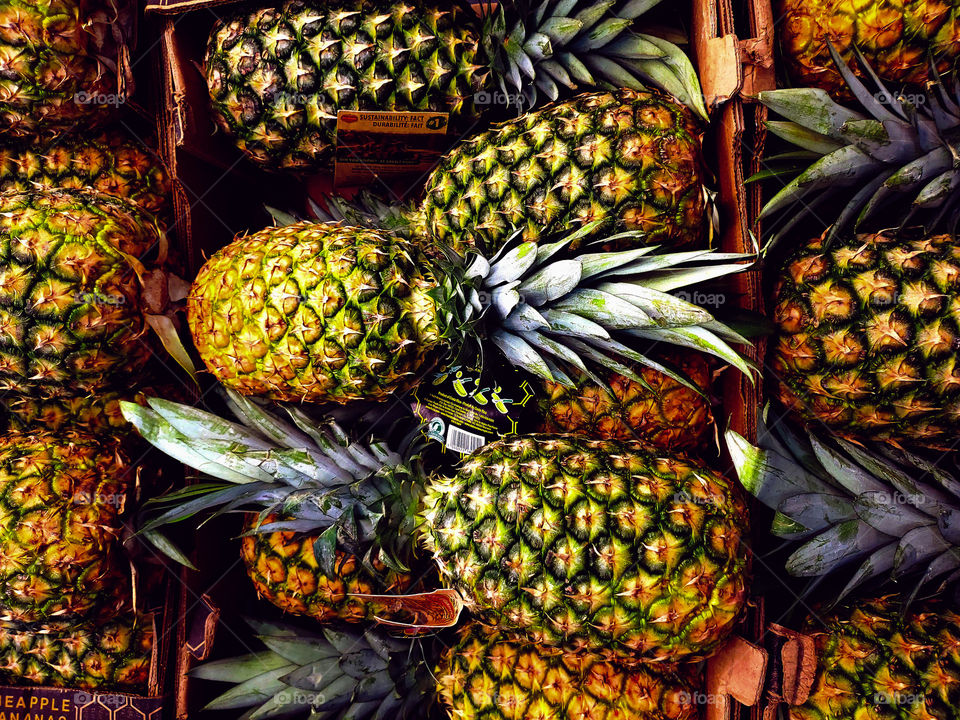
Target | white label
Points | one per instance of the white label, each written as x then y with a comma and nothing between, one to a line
462,441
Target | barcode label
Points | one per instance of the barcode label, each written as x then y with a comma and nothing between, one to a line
462,441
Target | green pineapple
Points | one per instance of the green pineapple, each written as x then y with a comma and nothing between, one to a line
109,162
868,335
285,571
72,298
61,500
98,412
898,39
57,64
324,313
105,655
279,74
659,411
618,160
595,542
628,160
877,660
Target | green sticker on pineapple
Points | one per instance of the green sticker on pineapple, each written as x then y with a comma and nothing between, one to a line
465,408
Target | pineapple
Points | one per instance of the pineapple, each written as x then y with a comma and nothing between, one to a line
98,412
876,660
530,681
587,543
284,569
279,74
71,300
896,37
110,162
291,563
880,516
868,336
593,542
483,675
324,313
630,160
111,655
63,495
659,411
56,69
888,162
315,313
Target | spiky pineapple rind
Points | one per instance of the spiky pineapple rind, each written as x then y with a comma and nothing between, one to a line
104,655
629,159
72,302
591,543
868,336
871,656
385,55
62,495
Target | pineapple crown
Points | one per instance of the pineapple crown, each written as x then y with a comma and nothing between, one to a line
551,311
300,476
537,47
895,513
904,146
328,675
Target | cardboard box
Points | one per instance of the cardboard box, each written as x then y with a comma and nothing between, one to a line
219,194
52,703
733,71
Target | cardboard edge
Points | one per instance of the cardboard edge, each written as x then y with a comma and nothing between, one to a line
730,66
205,624
758,52
741,134
718,62
170,124
737,671
195,640
796,665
